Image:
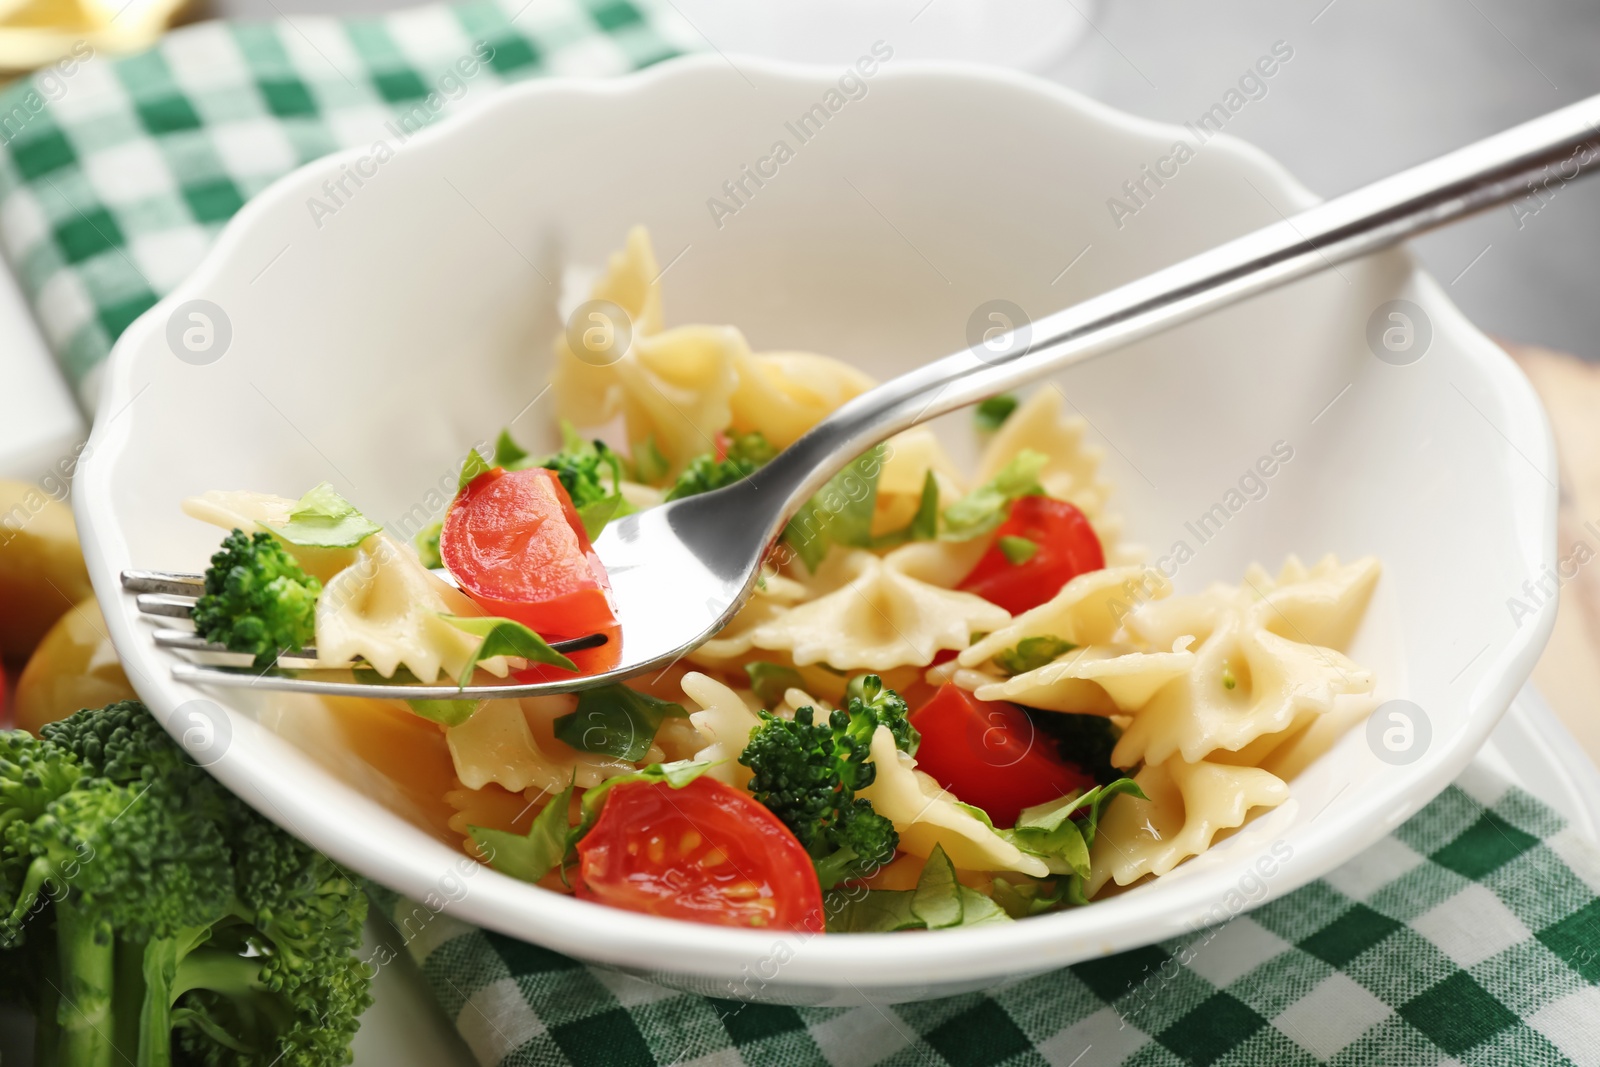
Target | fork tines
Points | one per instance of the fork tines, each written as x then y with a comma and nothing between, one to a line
172,594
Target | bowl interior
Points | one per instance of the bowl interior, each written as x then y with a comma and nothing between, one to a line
371,344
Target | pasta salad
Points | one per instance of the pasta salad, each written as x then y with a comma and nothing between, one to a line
953,698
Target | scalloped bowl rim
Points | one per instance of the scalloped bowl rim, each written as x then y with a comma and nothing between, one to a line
649,945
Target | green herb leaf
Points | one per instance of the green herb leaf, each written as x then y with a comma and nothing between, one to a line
504,637
771,680
939,902
445,712
595,516
471,467
986,506
649,465
616,721
1017,550
924,525
1031,653
324,519
535,854
1021,900
507,453
677,775
840,514
991,413
427,542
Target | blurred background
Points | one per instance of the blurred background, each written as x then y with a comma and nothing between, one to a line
1373,87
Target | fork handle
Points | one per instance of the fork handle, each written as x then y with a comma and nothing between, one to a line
1563,144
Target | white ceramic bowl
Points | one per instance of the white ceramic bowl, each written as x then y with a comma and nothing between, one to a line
372,346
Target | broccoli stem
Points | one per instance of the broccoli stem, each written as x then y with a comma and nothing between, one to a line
168,973
87,951
129,997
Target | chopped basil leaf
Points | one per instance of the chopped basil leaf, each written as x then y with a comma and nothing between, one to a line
841,513
649,465
986,506
535,854
616,721
1031,653
594,516
1017,550
324,519
507,453
924,525
445,712
991,413
939,902
504,637
471,467
771,680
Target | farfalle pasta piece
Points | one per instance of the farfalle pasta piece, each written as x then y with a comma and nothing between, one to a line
925,815
676,387
588,393
252,512
512,744
1072,472
781,395
385,609
1188,805
1087,611
672,387
878,619
770,600
908,459
724,722
1249,680
1098,679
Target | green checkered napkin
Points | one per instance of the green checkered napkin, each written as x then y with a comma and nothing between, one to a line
116,176
1471,936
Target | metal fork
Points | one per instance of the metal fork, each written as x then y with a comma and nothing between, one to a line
681,571
172,594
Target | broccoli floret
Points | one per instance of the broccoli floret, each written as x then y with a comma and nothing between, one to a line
184,927
808,773
257,599
746,454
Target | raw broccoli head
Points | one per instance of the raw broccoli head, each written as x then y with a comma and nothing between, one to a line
184,926
257,599
807,773
747,453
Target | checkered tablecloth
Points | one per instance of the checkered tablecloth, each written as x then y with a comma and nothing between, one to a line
1471,936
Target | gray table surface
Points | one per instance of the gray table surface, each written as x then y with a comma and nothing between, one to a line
1374,85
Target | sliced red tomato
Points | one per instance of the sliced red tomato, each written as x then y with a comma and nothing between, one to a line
1065,547
989,755
707,853
515,544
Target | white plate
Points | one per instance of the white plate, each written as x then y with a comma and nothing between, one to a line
374,345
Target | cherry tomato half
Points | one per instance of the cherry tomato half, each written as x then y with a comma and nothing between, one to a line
989,754
707,853
1065,547
516,545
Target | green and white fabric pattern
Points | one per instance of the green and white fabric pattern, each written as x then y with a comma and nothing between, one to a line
1470,936
116,174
